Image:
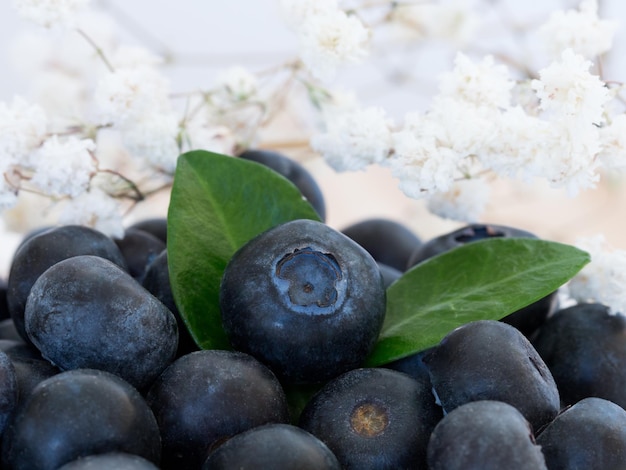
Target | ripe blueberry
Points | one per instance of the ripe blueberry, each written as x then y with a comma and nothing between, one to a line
304,299
208,396
276,446
484,435
78,413
490,360
374,418
86,312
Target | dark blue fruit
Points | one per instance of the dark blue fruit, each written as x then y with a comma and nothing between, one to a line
585,349
590,435
45,248
139,249
484,435
110,461
79,413
157,281
9,390
208,396
374,418
275,446
388,241
86,312
294,172
526,319
156,226
304,299
389,274
490,360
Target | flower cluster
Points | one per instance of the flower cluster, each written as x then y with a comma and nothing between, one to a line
103,127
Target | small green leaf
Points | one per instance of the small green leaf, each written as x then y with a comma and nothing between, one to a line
482,280
217,204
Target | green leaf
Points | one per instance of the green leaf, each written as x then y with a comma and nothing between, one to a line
217,204
482,280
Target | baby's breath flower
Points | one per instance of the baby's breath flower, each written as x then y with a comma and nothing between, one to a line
580,30
566,89
613,139
464,202
63,167
235,84
479,84
422,166
23,127
604,278
331,39
95,209
354,139
152,139
131,93
50,13
295,12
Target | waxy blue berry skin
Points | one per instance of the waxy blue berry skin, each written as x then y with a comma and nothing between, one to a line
304,299
86,312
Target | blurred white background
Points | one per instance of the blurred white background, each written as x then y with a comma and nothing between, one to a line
203,37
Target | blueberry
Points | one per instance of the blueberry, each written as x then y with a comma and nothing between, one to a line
9,389
484,435
156,226
585,349
413,365
157,281
589,435
110,461
208,396
294,172
490,360
275,446
304,299
86,312
139,249
526,319
389,242
45,248
374,418
389,274
79,413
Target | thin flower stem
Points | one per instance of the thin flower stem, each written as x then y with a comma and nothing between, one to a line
139,195
98,50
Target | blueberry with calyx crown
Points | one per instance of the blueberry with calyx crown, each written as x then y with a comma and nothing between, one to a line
304,299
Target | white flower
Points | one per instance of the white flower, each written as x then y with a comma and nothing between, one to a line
566,89
294,12
479,84
421,164
603,280
130,57
50,13
613,140
580,30
153,140
204,136
131,93
63,167
454,21
23,127
235,84
464,202
354,139
331,39
94,209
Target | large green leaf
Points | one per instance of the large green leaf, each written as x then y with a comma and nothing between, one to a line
217,204
481,280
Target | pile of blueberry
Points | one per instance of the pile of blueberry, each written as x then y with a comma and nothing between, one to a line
98,370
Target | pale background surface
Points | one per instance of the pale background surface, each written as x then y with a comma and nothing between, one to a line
250,32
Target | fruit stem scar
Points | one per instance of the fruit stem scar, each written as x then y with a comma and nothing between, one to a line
369,419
